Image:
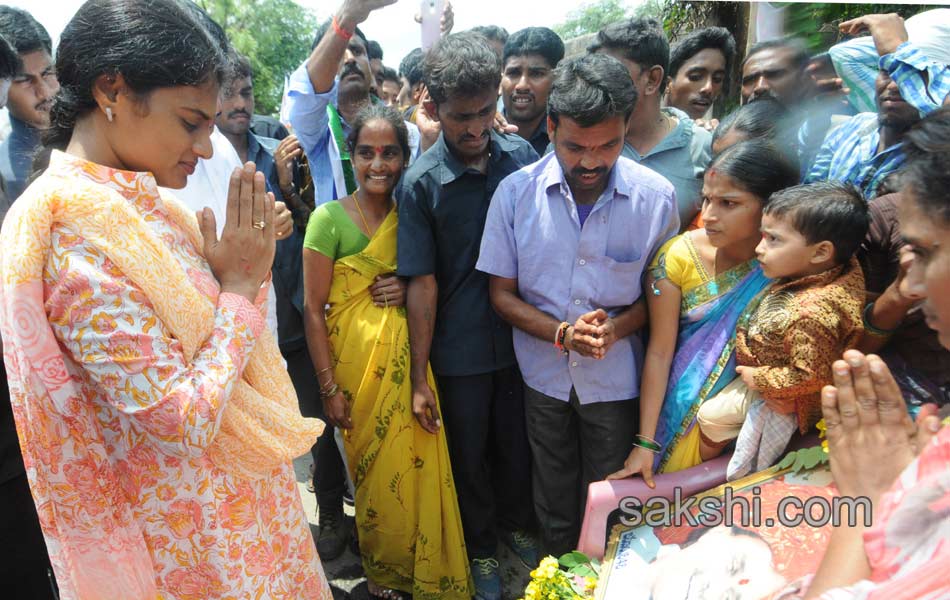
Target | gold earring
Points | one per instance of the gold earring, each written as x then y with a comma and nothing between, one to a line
109,114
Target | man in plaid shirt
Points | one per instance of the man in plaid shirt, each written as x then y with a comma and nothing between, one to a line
867,148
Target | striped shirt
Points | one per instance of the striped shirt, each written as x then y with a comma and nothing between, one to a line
850,152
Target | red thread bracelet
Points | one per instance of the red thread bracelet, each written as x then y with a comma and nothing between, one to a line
343,33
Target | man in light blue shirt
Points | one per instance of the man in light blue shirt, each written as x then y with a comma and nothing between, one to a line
566,242
336,78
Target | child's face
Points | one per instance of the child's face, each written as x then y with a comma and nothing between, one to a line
783,251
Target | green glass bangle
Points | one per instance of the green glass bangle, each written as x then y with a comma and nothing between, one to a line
647,445
870,328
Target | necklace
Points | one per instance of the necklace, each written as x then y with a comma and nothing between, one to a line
369,233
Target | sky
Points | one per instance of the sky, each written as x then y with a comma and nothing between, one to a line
393,26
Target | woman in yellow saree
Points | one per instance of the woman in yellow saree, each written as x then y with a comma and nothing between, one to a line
407,513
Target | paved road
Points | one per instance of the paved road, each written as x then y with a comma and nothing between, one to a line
346,572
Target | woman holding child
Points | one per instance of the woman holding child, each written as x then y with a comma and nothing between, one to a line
701,282
406,508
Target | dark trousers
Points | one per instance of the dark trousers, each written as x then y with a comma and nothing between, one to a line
24,561
483,417
329,476
573,445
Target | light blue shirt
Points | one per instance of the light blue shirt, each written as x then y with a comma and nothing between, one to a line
533,234
682,157
308,117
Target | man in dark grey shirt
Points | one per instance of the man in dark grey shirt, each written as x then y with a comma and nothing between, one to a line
443,202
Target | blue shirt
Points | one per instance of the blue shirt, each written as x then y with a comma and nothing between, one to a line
308,116
16,156
850,152
533,234
681,157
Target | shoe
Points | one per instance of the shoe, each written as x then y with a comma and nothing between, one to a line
524,545
333,534
487,579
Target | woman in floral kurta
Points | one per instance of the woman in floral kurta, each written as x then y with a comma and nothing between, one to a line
129,468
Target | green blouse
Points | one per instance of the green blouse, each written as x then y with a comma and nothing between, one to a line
332,233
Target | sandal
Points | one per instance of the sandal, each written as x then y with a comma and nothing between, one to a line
362,592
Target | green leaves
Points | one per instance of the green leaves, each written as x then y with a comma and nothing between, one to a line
804,459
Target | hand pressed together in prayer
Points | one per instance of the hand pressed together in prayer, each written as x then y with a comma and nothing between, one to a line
287,152
283,221
871,437
241,259
592,335
388,290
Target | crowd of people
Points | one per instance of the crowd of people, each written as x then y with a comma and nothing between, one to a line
469,288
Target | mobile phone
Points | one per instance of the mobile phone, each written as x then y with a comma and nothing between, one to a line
431,12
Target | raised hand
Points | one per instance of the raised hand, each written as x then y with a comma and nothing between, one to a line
888,30
242,258
354,12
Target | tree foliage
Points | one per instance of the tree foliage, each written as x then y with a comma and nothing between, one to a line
275,35
591,18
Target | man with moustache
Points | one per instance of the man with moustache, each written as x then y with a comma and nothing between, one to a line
443,199
530,57
30,96
868,147
326,93
566,242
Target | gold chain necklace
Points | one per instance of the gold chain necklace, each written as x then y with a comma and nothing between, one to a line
363,218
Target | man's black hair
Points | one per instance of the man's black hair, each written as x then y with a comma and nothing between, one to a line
23,32
825,211
591,88
796,46
461,65
240,65
411,67
389,74
640,39
717,38
9,60
926,173
535,40
374,50
492,32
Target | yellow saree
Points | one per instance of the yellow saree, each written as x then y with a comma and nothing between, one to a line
406,509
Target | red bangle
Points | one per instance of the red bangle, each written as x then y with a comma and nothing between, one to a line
560,335
343,33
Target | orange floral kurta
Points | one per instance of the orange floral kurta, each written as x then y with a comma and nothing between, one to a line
118,444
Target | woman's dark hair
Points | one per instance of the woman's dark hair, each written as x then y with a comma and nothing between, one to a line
461,64
717,38
757,166
591,88
151,43
761,119
381,112
927,171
